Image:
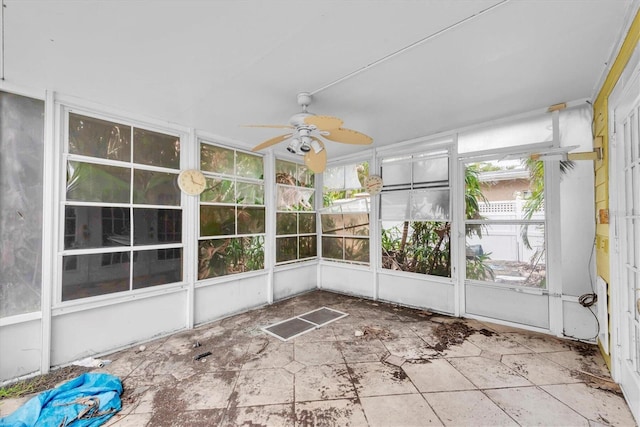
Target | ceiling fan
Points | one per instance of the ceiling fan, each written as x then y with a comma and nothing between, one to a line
306,129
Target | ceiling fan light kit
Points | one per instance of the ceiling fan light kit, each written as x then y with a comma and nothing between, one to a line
307,131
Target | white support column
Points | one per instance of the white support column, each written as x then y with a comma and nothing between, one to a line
1,39
552,234
270,221
375,251
318,183
458,239
190,226
49,230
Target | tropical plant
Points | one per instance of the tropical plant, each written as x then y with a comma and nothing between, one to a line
535,202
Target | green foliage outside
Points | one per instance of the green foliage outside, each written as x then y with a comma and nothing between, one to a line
536,201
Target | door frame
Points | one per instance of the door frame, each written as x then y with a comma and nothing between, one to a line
553,292
625,94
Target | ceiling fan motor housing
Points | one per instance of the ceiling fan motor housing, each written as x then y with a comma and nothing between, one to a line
297,120
304,99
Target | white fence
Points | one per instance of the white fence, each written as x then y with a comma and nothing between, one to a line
504,241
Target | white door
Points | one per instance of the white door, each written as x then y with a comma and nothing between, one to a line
625,289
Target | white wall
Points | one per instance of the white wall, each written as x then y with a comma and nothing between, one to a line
75,335
295,279
578,321
20,348
416,291
346,279
214,301
509,305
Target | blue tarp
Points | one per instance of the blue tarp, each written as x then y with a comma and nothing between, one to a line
86,401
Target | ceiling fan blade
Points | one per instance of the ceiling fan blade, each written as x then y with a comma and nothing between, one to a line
317,162
324,122
272,141
268,126
348,136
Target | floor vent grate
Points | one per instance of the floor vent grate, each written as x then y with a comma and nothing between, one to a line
296,326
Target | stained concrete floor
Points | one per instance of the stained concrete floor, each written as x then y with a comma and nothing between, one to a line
381,365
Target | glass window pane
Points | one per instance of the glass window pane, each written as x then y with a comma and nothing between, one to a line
332,247
356,249
307,223
88,182
430,205
220,257
397,172
286,223
430,170
99,138
219,191
250,194
96,274
332,223
306,177
155,188
333,178
395,205
157,226
524,131
115,226
157,267
502,254
286,172
250,220
157,149
21,179
96,227
169,225
417,247
356,224
286,249
216,159
308,247
217,220
505,189
294,198
249,165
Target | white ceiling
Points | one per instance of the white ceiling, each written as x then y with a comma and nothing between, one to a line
216,65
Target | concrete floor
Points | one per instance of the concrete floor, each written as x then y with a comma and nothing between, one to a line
381,365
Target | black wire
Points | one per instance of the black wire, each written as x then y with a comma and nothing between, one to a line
589,299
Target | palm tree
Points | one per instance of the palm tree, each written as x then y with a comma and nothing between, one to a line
536,201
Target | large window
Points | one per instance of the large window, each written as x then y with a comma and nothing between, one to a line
121,191
505,219
295,216
415,213
232,212
345,214
21,160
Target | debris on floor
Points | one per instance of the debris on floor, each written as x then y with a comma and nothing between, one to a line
373,332
87,400
90,362
202,355
596,381
394,360
452,333
40,383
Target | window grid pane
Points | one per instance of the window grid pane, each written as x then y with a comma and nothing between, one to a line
344,218
415,215
295,216
117,186
232,212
